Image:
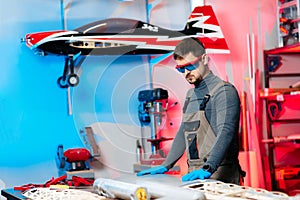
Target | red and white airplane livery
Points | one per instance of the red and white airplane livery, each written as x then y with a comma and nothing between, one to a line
118,36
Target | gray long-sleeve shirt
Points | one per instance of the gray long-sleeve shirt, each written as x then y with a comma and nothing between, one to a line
223,114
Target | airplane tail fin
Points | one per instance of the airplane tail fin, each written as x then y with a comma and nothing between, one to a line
203,24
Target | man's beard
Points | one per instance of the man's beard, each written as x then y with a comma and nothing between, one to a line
192,80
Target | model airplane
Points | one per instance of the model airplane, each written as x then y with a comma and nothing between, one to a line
117,36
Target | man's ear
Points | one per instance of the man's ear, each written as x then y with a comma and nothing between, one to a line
205,59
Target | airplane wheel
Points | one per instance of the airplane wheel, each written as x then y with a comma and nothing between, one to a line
61,81
73,80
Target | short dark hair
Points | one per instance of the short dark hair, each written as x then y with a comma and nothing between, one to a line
187,45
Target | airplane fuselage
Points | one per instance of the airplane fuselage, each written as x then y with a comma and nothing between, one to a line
72,42
120,36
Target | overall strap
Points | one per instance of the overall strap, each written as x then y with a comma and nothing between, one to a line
207,96
189,94
216,87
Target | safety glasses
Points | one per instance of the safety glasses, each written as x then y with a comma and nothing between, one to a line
189,66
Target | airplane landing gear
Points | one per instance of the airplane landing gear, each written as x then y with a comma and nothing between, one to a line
73,80
61,81
69,78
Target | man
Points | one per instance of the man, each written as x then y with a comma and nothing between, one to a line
210,122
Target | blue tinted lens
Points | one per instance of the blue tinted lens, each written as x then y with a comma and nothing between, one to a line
181,69
190,67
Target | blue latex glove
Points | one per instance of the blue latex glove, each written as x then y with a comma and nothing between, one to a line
154,170
196,174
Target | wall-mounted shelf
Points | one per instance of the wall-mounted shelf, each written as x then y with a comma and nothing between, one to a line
282,119
288,14
279,94
293,48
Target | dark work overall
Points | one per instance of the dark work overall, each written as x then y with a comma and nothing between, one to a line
200,139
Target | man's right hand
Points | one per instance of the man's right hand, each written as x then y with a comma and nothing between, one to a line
154,170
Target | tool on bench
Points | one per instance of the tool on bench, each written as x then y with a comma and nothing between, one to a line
74,162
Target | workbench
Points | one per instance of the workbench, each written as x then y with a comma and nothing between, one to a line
12,194
165,185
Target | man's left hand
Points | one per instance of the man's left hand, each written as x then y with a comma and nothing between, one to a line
196,174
